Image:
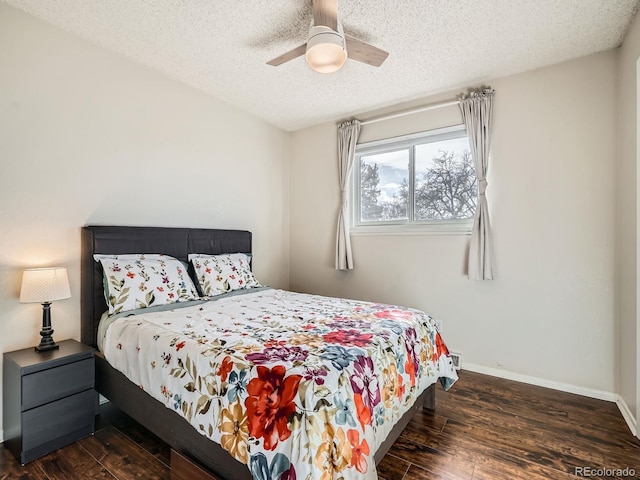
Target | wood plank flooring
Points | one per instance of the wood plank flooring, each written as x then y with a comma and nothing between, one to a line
484,428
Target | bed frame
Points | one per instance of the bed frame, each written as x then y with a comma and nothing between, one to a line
163,422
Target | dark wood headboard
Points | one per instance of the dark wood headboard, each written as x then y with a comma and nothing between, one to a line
177,242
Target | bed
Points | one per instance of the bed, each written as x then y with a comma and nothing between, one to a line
180,423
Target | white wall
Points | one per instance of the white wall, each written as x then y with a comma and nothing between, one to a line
550,313
628,270
88,137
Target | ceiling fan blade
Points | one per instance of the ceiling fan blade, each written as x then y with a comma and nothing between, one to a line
325,12
364,52
290,55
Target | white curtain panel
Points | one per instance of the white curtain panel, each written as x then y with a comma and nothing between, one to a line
348,133
476,110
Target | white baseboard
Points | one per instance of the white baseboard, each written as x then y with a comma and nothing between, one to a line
563,387
1,436
627,415
541,382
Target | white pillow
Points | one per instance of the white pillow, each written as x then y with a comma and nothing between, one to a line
218,274
141,280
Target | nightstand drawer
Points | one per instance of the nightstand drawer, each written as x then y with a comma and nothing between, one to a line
49,385
59,423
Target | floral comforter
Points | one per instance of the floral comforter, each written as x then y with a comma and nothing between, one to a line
294,386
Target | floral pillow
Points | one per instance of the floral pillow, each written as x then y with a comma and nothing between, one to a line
142,280
218,274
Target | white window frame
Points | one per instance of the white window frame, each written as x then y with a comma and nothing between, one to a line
409,226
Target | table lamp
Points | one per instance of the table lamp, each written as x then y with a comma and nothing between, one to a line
45,285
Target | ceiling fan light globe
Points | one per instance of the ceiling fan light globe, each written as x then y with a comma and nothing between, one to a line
326,51
326,57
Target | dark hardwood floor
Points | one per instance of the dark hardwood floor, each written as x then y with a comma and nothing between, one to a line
483,428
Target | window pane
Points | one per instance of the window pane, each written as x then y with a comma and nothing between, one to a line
384,186
445,181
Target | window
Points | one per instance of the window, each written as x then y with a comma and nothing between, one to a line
421,182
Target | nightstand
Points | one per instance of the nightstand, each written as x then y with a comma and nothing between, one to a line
48,399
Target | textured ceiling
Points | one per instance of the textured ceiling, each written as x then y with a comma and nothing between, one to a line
221,47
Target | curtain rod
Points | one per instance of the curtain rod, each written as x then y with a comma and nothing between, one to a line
433,106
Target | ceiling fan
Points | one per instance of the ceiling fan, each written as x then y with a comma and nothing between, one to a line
328,46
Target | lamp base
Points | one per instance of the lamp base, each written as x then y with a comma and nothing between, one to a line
46,343
44,348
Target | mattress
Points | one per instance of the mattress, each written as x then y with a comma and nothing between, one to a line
292,385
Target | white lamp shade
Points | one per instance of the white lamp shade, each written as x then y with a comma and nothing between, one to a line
326,51
41,285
